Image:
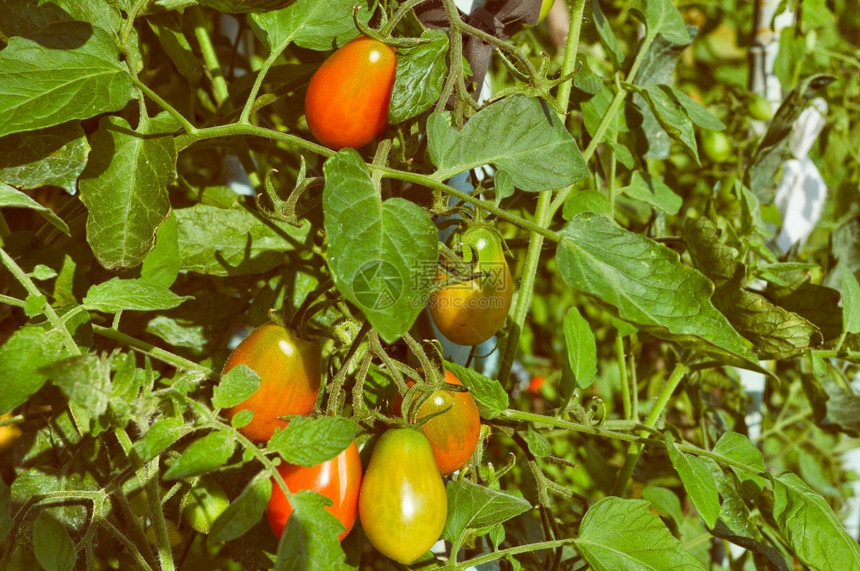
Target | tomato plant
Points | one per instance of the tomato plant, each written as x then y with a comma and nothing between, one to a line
347,100
402,504
453,434
472,311
338,479
289,370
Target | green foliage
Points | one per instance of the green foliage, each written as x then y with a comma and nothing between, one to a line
161,195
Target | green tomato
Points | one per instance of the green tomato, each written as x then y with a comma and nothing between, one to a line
717,146
759,108
402,504
203,503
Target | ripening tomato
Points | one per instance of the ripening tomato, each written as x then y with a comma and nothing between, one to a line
402,505
289,370
348,96
338,479
471,312
454,434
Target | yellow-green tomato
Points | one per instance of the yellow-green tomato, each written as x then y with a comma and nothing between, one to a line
203,503
402,504
470,312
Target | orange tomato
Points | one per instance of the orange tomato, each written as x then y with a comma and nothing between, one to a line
289,370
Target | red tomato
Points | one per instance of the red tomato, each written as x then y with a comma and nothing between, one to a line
289,370
348,96
453,435
338,479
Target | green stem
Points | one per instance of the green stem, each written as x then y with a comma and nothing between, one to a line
186,125
502,553
608,119
149,473
650,422
153,351
48,311
210,57
261,75
625,382
543,213
184,141
404,8
12,301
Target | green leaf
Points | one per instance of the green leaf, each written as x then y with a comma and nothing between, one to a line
162,264
518,135
50,77
53,156
178,333
163,433
587,201
202,456
311,441
382,255
489,394
85,380
23,358
310,24
474,506
52,544
775,332
233,241
653,191
23,17
738,447
768,156
607,36
625,535
699,114
581,348
310,536
421,71
662,18
15,198
664,501
134,294
644,283
672,117
850,302
538,444
810,527
124,188
244,6
104,15
168,29
236,386
244,512
698,479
